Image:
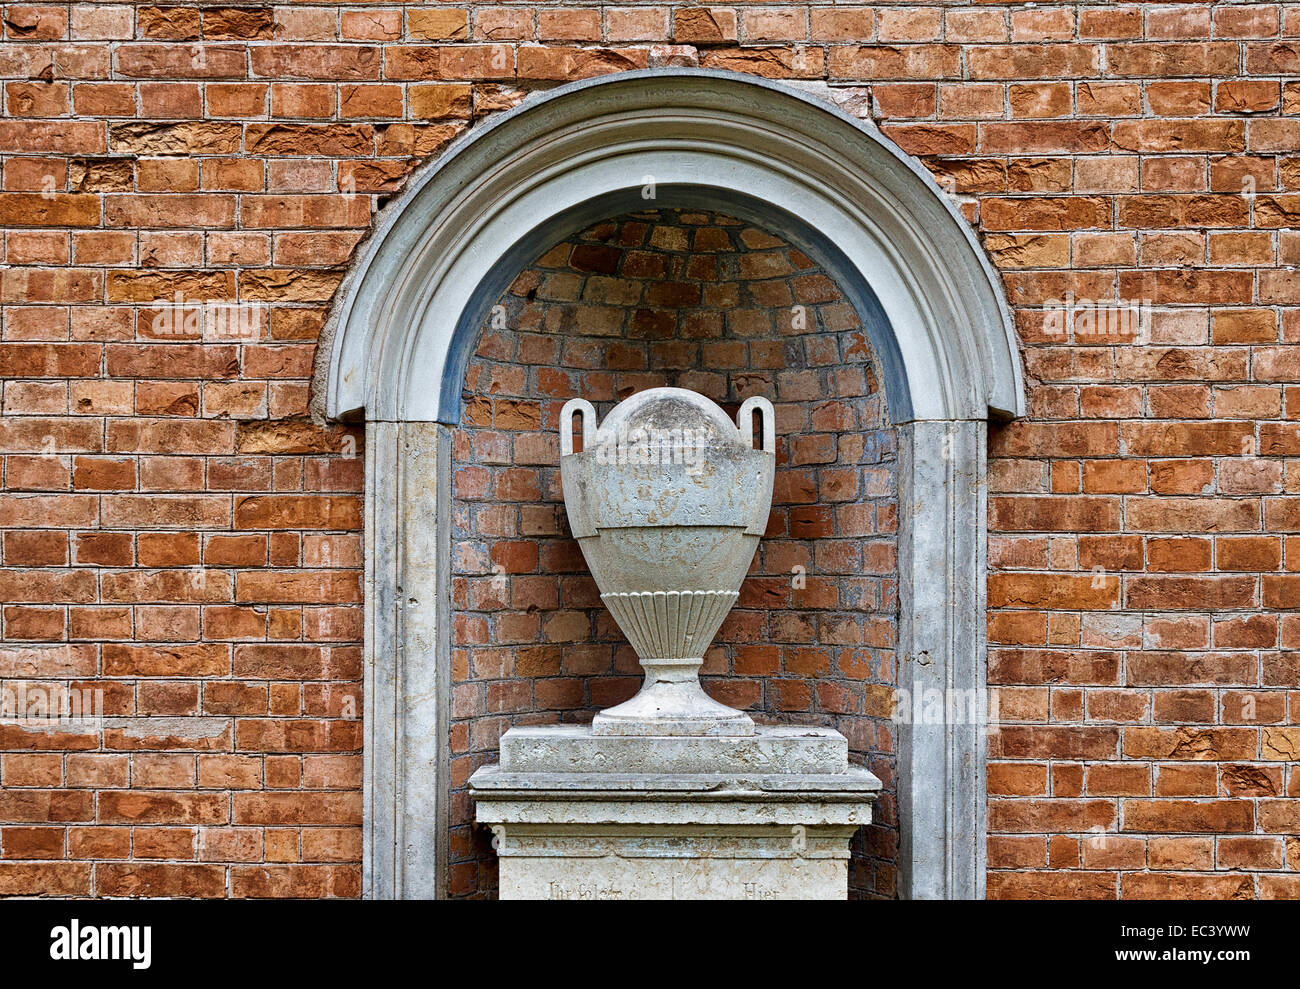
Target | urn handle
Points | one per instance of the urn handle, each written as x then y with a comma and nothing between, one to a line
745,422
571,408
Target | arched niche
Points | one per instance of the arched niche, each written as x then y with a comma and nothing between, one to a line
403,325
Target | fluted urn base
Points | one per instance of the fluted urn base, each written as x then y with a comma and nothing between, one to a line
671,701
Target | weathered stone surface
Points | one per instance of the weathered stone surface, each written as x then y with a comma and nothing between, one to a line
285,436
581,816
574,749
100,175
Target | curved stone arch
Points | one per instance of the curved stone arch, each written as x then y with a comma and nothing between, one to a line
404,323
600,140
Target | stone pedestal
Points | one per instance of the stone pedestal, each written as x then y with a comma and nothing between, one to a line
578,815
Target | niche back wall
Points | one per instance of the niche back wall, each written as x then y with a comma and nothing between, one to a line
705,302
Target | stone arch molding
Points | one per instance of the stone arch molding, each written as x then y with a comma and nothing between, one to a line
402,329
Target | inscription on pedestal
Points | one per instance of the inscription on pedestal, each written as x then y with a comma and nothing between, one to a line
583,891
548,877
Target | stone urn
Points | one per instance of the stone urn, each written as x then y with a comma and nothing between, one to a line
668,500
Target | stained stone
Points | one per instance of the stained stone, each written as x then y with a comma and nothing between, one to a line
767,817
574,749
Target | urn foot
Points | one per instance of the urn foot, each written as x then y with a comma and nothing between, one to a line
672,702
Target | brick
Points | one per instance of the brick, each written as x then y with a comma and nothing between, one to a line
1183,59
44,879
1180,886
1037,815
918,61
309,881
1033,590
1056,61
1052,885
1188,816
201,881
700,25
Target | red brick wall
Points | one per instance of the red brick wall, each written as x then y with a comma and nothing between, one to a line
176,532
697,301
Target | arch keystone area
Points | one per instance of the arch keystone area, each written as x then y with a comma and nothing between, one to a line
405,321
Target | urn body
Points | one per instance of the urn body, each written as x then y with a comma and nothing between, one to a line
668,500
